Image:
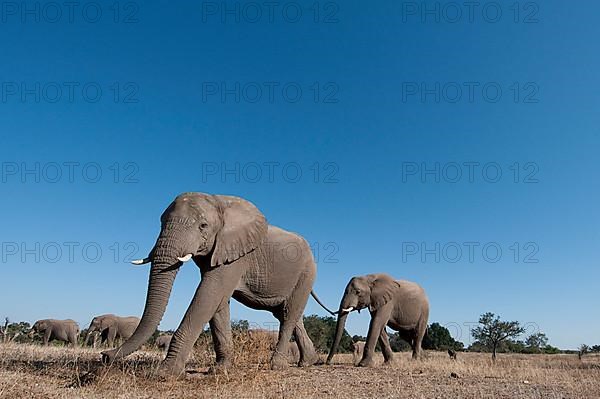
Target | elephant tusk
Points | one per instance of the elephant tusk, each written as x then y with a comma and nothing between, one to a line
140,261
185,258
348,310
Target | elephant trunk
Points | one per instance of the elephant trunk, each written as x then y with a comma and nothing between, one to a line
87,336
339,331
162,275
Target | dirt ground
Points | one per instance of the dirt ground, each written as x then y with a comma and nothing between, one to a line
28,371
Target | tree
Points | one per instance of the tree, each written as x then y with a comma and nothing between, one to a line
398,344
583,349
438,338
321,330
536,343
493,331
596,348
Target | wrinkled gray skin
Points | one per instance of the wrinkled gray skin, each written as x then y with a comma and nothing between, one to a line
239,256
163,341
401,305
61,330
359,348
111,327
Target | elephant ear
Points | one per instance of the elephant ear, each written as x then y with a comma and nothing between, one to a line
244,229
107,322
383,288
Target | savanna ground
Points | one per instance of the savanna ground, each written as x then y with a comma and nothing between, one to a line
30,371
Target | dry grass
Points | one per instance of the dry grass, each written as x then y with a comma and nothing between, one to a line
28,371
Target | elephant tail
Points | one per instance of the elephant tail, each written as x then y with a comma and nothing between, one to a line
312,292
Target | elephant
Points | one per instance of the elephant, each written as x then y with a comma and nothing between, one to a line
162,341
452,354
61,330
239,255
359,348
399,304
112,327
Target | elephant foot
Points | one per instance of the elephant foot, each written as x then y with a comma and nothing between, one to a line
279,362
366,363
110,356
170,370
309,360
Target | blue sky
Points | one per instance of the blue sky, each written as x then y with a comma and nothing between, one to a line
364,99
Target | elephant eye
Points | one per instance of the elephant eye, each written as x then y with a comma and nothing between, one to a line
203,225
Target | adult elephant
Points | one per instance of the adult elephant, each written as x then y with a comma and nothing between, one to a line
111,327
398,304
239,256
60,330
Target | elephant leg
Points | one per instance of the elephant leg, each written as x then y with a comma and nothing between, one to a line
291,315
73,338
308,355
378,322
417,350
384,342
217,285
47,335
220,328
112,333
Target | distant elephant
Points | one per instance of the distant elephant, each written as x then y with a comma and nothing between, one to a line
162,341
61,330
398,304
452,354
359,348
239,256
112,327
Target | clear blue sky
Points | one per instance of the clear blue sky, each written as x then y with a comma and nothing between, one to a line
367,130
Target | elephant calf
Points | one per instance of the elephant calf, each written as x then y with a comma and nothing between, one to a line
162,341
112,327
61,330
398,304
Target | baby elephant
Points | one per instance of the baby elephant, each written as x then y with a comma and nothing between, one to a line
359,348
162,341
452,354
61,330
398,304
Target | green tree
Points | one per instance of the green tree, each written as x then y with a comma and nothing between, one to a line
398,344
595,348
438,338
493,331
321,330
536,342
240,325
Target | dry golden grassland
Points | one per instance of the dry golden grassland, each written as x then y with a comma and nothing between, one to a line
28,371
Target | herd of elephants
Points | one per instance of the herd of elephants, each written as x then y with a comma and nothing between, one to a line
241,256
